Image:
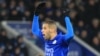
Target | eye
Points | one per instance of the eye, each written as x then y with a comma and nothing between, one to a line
44,27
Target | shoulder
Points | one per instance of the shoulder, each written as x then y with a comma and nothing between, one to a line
60,37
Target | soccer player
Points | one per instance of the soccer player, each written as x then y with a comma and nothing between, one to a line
55,44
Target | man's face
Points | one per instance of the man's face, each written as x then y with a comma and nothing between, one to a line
46,31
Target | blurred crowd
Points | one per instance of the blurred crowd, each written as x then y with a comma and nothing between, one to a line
12,46
84,14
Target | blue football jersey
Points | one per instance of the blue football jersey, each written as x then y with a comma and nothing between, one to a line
56,47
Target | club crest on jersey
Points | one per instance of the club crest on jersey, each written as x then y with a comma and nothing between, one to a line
54,42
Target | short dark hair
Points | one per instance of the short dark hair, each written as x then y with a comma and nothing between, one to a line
50,22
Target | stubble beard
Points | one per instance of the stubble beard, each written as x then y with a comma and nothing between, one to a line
47,37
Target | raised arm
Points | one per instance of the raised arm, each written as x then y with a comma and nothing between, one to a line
70,34
35,25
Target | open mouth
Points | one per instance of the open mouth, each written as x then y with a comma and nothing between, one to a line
43,34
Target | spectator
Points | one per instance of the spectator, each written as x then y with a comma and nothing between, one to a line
22,46
18,52
26,16
79,28
3,12
4,15
3,6
58,13
14,15
48,8
71,5
84,36
49,14
41,16
58,3
3,37
8,49
36,4
81,15
73,15
12,5
81,23
94,26
91,9
59,17
95,43
48,4
21,7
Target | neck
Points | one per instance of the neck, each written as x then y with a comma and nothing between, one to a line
53,35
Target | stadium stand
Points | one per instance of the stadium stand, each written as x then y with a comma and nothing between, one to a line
13,46
84,14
